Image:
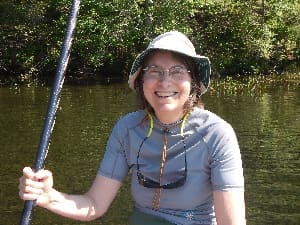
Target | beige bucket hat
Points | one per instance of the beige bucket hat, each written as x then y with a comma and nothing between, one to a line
176,42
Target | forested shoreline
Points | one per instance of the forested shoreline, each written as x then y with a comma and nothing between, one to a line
240,37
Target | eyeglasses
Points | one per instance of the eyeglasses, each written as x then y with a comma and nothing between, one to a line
177,73
148,183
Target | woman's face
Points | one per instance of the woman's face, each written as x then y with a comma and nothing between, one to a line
167,95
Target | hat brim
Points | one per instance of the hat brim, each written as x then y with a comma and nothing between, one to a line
202,65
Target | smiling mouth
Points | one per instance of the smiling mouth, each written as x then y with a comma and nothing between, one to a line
165,94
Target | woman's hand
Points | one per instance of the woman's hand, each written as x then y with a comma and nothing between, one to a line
36,186
91,205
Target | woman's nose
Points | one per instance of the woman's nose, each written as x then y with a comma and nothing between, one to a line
165,75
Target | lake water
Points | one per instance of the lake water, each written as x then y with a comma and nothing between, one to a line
267,126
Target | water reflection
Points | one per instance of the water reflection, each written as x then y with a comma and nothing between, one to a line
268,129
269,132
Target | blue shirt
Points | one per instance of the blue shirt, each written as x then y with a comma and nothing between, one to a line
213,163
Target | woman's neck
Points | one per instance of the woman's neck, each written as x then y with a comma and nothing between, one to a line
169,118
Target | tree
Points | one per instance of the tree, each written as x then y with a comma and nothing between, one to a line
240,37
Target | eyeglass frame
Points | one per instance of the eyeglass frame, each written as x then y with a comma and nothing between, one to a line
161,73
149,183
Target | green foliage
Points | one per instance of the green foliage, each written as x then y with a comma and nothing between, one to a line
32,33
240,37
246,37
228,34
111,34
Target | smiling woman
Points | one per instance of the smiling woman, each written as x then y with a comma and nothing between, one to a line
166,94
185,161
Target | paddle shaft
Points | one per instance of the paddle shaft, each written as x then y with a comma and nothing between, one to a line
53,105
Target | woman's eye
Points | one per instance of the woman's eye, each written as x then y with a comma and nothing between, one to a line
155,71
176,71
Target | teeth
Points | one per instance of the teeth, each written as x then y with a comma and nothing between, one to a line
166,94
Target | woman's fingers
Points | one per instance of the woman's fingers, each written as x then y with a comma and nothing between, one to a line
45,177
28,173
32,185
29,193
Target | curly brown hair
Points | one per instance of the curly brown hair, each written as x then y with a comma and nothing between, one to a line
195,94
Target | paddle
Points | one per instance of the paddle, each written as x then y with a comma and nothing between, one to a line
53,104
